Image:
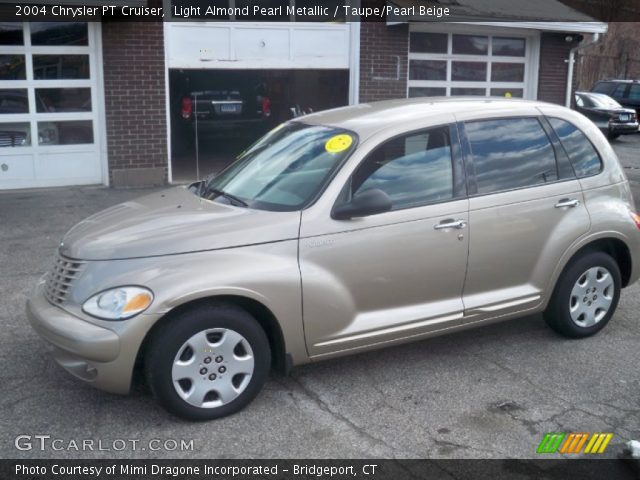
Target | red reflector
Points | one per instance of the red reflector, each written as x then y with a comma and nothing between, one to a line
266,106
187,107
636,219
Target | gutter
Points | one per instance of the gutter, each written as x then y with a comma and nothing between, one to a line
571,61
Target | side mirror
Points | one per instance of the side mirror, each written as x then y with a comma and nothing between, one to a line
369,202
195,187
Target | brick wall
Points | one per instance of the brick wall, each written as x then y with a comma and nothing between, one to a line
552,80
134,85
382,49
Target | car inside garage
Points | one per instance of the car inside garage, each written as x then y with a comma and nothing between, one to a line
229,83
216,114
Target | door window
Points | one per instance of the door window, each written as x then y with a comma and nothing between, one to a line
510,153
634,92
583,156
619,91
414,169
602,87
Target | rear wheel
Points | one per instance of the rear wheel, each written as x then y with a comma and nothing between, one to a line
585,297
208,362
612,136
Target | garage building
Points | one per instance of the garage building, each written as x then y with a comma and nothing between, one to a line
125,103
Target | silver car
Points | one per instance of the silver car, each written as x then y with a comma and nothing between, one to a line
343,231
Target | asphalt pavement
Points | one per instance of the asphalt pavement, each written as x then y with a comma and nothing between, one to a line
486,393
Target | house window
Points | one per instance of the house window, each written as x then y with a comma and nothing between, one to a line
454,64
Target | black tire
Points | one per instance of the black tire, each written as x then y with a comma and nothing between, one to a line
558,316
172,335
612,136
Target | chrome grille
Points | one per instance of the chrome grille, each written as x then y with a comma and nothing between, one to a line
61,277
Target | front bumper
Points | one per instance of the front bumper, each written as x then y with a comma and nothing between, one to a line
89,352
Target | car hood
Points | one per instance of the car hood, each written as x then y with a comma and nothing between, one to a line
171,222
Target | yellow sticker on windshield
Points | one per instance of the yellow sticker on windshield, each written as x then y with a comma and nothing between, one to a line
338,143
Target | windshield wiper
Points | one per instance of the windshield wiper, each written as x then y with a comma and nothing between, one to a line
220,193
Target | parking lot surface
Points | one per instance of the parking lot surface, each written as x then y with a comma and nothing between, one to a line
491,392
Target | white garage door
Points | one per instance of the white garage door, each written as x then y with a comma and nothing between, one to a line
49,105
472,63
247,45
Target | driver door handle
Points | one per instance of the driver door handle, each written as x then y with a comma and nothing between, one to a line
450,223
567,202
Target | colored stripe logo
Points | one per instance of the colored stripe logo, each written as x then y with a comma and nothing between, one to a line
573,443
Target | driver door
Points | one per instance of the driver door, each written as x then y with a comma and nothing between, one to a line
398,274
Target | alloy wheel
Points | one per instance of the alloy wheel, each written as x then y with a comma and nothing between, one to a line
213,367
591,297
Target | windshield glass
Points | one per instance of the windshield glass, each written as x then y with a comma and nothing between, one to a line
285,169
604,101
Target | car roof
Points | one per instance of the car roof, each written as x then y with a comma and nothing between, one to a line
368,118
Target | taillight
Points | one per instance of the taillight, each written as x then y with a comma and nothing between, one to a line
266,106
636,218
186,107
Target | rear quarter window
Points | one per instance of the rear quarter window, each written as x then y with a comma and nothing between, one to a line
583,155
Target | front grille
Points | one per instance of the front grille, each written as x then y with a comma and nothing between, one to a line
60,278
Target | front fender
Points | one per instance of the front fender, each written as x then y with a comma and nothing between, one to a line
266,273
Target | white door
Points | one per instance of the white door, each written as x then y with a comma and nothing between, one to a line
49,105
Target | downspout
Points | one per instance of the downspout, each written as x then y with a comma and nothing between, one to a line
572,59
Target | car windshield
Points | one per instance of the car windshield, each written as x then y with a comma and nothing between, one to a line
285,169
604,101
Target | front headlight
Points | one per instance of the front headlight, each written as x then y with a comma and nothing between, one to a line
118,303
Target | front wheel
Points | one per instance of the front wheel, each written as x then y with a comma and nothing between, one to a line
208,362
585,297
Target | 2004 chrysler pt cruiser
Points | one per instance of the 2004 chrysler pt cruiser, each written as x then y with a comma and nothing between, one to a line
346,230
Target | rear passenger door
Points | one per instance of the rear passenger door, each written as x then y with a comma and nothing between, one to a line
525,210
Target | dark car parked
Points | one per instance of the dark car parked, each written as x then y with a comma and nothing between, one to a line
613,119
220,111
625,92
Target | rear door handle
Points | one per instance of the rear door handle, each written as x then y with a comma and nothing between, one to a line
567,203
449,223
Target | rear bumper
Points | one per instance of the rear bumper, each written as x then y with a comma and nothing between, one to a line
87,351
624,128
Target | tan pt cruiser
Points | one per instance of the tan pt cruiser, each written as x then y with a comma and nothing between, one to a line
342,231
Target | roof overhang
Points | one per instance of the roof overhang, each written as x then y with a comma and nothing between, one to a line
572,27
544,15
